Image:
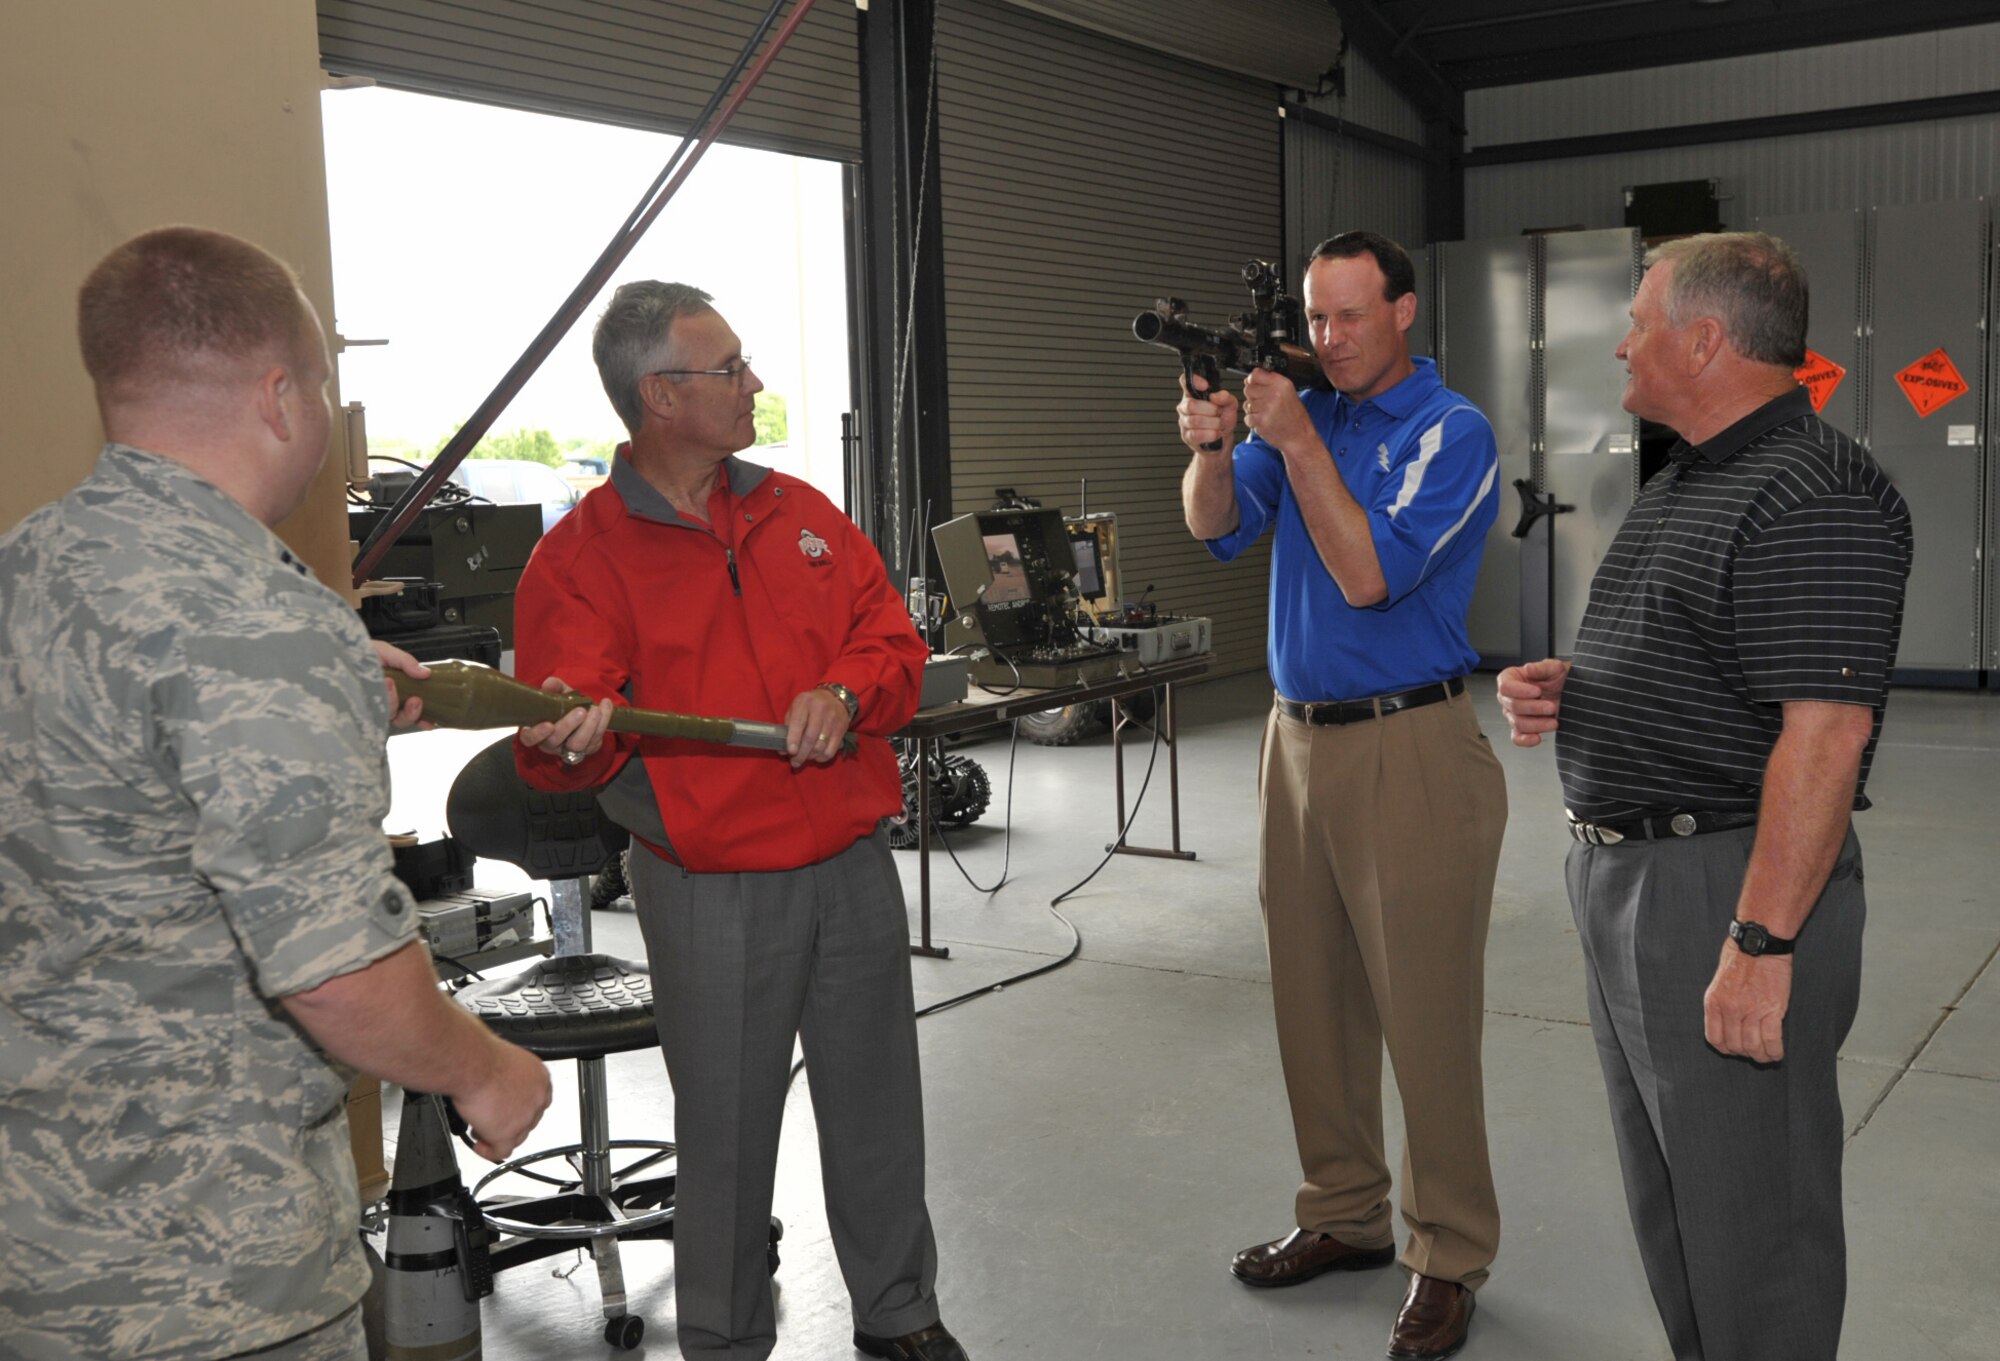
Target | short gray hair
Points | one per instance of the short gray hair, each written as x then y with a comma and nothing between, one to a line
1751,282
632,339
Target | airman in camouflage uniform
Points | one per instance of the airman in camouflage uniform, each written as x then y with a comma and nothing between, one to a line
192,782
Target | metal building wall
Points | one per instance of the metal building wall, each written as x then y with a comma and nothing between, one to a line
1283,41
1065,215
1371,101
1940,166
1858,168
1335,183
1816,172
1840,75
646,66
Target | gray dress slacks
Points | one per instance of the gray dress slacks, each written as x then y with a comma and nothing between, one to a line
1732,1168
741,964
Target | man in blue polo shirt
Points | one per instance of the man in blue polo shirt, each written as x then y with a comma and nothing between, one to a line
1383,805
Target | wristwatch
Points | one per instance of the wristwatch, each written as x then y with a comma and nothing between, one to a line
1753,939
844,695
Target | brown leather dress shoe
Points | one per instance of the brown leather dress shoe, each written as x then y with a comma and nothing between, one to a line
1302,1255
1432,1322
934,1343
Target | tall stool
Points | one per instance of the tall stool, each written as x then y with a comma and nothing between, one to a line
574,1005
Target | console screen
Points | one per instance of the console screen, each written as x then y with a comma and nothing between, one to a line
1089,581
1009,574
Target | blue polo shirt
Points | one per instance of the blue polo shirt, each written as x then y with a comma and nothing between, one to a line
1420,459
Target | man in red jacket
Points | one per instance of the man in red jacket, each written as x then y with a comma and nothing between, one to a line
698,582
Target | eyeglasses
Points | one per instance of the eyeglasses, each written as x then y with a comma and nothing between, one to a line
734,372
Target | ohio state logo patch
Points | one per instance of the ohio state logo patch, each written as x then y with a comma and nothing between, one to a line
818,552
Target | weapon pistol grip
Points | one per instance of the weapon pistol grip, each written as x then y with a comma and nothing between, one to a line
1211,377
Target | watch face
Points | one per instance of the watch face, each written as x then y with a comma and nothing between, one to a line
1751,938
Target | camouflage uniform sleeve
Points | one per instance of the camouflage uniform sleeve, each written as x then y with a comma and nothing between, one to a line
278,725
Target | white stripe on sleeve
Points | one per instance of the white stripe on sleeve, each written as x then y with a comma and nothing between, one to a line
1428,445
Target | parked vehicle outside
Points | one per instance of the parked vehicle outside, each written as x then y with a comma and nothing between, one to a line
514,482
584,471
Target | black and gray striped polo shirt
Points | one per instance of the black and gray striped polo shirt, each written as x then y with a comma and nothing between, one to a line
1763,566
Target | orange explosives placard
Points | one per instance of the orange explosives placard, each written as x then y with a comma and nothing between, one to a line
1820,376
1931,382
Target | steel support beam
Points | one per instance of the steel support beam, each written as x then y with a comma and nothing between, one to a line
1343,127
1741,129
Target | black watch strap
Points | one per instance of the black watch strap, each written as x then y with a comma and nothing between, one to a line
1752,939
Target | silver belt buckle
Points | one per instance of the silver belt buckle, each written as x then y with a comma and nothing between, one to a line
1683,824
1591,833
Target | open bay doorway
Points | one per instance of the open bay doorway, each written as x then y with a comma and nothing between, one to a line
459,227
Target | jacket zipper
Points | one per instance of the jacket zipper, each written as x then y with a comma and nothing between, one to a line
735,582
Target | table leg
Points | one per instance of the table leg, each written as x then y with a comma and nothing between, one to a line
925,750
1164,726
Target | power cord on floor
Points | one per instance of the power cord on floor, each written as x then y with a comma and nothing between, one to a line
987,989
1075,936
1007,855
1013,746
1138,802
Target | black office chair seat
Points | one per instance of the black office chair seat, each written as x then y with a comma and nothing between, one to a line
569,1007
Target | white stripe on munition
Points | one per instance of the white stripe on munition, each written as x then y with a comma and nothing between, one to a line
430,1308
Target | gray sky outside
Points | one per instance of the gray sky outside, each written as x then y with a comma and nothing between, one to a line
458,229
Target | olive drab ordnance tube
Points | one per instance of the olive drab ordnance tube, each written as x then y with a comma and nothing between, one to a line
468,695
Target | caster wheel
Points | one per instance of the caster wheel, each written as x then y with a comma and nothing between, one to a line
771,1256
624,1331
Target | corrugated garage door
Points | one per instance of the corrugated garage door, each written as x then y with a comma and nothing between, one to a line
1083,178
642,63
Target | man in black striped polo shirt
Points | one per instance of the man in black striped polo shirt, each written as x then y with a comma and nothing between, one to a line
1717,723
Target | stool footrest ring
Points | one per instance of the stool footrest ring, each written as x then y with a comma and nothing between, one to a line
617,1221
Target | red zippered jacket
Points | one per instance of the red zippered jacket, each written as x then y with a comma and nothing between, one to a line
627,599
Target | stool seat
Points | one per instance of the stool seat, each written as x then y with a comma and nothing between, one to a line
569,1006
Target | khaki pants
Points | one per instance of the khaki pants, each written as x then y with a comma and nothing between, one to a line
1380,844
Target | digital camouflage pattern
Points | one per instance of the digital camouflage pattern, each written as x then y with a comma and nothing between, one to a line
192,783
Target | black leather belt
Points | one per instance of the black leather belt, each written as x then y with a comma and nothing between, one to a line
1360,710
1657,828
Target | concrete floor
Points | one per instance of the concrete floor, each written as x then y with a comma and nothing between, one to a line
1103,1138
